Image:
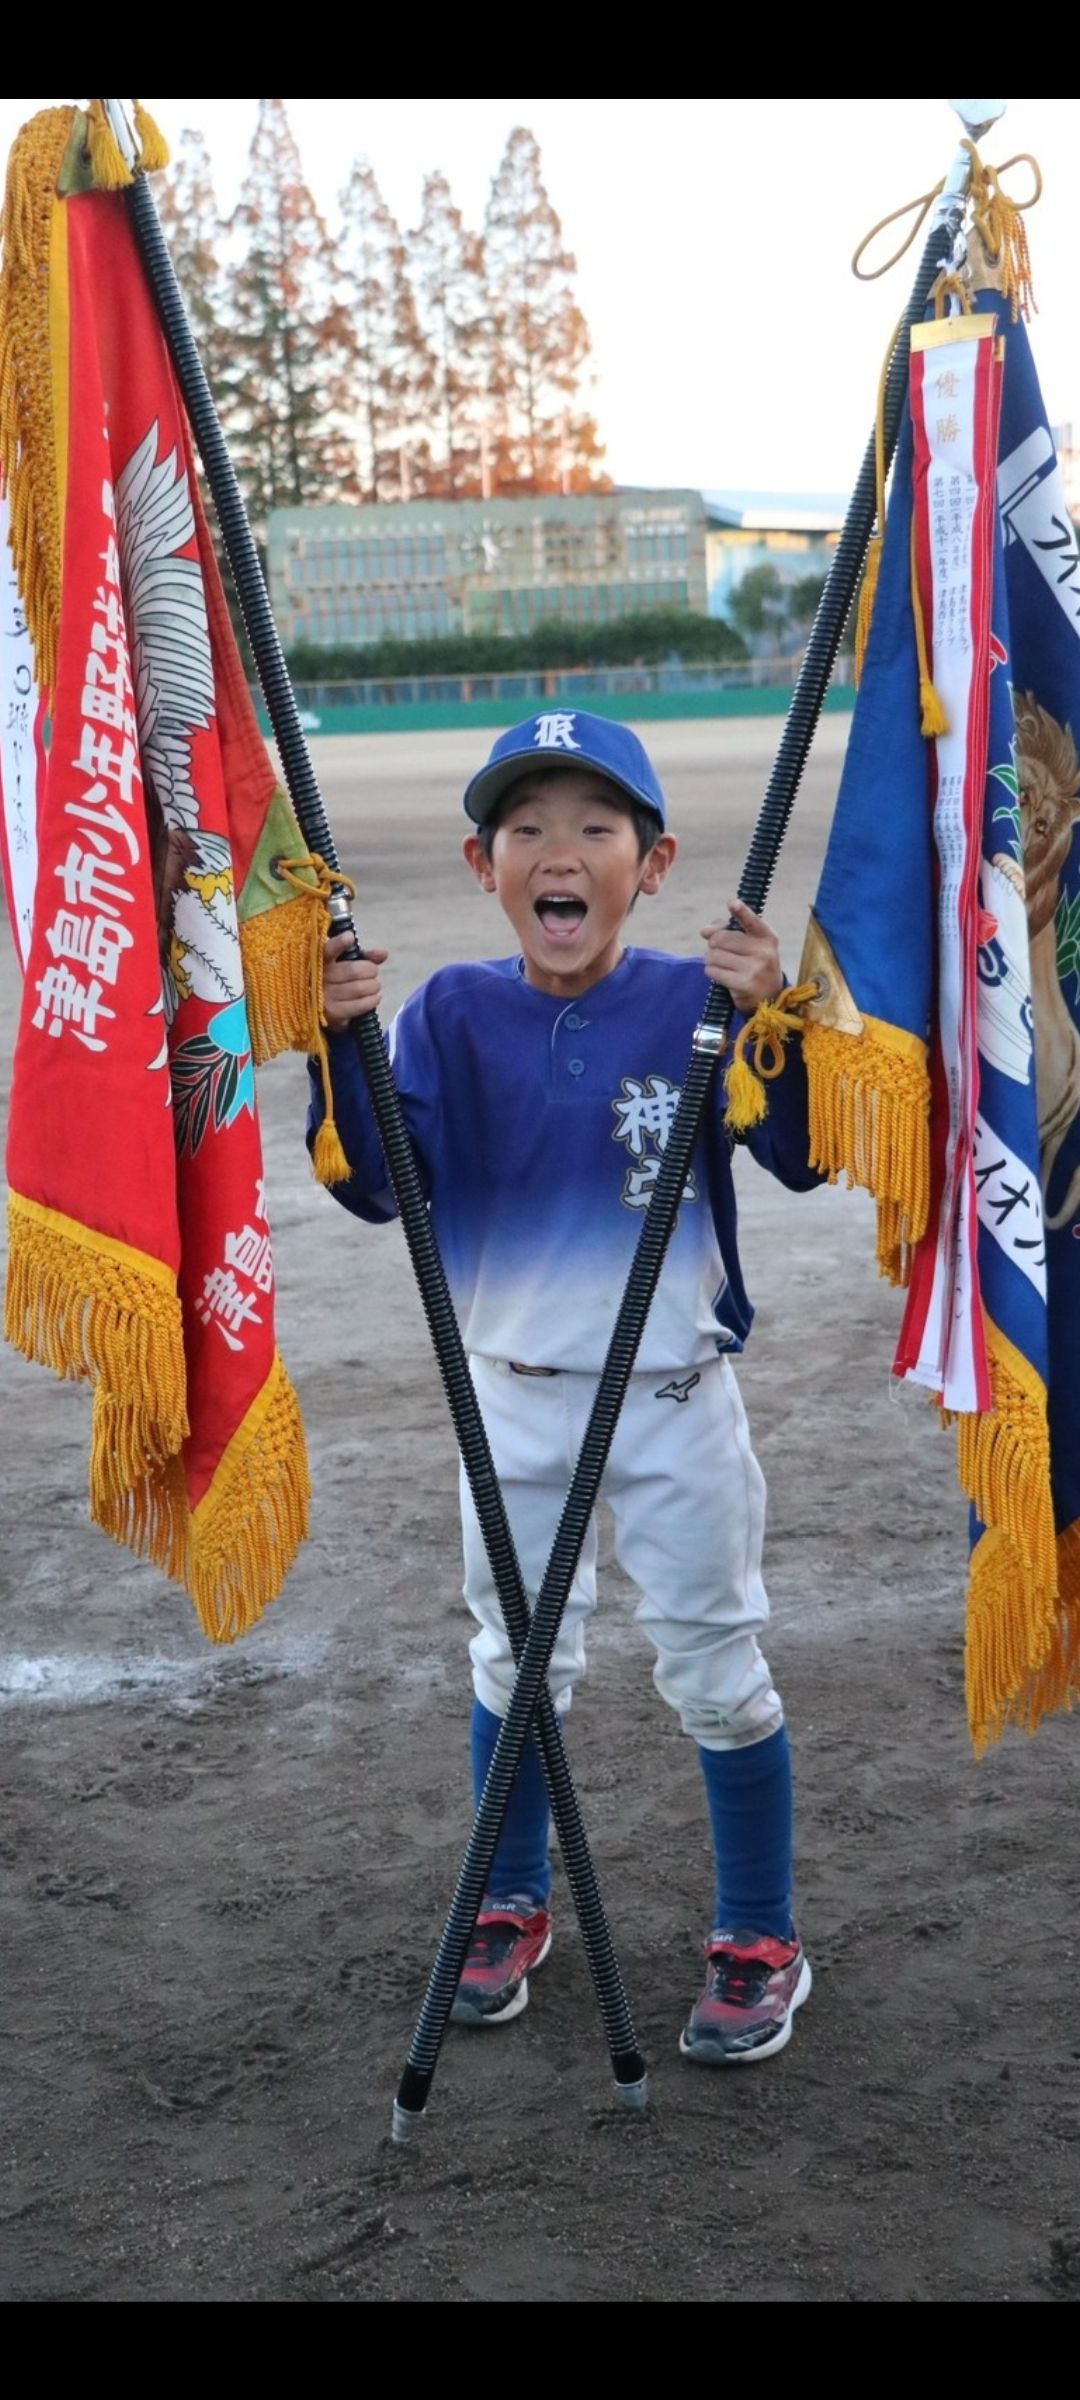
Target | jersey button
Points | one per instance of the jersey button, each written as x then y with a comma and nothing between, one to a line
576,1066
573,1024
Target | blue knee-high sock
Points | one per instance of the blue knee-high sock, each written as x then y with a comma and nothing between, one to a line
750,1808
521,1864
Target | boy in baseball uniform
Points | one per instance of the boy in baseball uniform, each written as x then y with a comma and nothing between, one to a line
539,1088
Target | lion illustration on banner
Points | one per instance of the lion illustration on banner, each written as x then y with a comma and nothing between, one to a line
1049,781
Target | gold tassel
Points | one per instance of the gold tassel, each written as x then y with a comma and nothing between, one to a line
329,1162
328,1158
153,147
746,1101
768,1029
108,165
933,717
867,596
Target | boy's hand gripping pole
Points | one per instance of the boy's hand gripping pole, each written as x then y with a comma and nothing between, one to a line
627,2063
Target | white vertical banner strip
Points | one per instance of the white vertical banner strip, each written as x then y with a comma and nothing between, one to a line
952,506
21,758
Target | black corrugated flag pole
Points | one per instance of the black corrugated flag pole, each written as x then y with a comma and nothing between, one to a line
658,1221
627,2062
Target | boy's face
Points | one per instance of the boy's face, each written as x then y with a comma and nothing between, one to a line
565,868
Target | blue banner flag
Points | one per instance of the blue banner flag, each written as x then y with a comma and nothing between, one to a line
943,1048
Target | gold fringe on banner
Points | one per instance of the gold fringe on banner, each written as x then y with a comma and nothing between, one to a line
32,351
247,1528
1003,1458
1008,1673
234,1550
277,949
869,1100
97,1312
1020,1662
151,1515
1022,1653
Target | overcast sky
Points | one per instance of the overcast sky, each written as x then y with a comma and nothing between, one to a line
732,345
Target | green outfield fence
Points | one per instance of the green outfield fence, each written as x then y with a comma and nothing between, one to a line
419,703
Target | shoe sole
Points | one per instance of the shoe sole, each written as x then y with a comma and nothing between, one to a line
712,2054
464,2013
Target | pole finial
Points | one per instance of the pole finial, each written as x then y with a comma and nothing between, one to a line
977,116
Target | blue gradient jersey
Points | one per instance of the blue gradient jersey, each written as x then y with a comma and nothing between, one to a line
539,1126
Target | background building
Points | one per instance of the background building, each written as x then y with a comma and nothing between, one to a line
795,532
349,576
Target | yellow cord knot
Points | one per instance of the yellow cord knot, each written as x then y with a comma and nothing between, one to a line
999,222
329,1161
767,1030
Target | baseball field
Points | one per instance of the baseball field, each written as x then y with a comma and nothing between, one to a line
224,1872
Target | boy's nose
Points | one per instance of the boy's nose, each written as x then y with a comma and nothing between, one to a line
560,859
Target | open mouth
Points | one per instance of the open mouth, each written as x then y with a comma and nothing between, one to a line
560,914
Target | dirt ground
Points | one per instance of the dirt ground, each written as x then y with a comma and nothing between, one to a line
224,1873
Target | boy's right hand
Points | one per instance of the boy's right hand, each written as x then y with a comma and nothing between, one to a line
351,986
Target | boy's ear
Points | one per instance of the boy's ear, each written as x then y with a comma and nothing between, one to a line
657,863
476,857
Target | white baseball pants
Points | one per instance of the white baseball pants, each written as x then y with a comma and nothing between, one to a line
688,1501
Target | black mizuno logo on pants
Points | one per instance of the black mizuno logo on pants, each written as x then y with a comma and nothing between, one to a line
675,1390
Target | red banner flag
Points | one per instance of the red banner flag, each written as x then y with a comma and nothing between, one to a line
161,957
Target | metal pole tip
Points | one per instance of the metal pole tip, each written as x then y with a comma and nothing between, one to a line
977,116
404,2123
633,2095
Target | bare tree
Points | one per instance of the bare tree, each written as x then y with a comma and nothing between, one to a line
194,231
393,371
447,267
287,388
538,341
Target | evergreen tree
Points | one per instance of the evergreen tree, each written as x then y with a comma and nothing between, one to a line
393,374
756,606
448,279
803,596
286,393
538,341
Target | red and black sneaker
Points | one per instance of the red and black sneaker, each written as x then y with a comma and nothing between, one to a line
753,1986
512,1936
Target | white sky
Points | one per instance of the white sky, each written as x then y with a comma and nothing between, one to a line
732,346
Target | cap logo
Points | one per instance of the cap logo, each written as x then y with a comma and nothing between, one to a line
556,733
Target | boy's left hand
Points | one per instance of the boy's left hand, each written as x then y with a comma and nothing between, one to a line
745,957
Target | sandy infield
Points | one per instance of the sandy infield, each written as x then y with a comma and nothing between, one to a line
225,1872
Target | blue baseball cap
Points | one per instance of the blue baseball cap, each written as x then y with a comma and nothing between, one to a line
566,737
